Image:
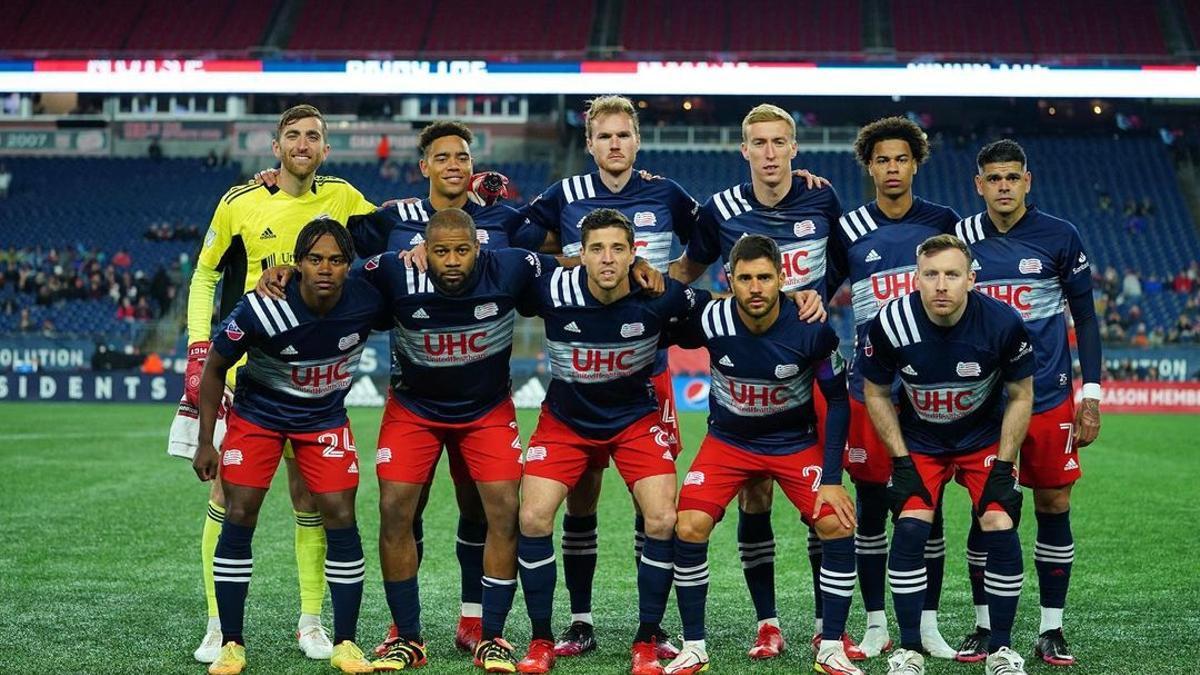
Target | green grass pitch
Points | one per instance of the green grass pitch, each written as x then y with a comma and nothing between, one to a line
99,566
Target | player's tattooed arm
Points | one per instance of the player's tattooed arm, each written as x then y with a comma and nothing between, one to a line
273,282
1087,421
212,393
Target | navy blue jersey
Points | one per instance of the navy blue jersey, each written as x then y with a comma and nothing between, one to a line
450,353
1034,267
952,378
602,356
761,398
299,367
881,256
659,209
401,226
801,224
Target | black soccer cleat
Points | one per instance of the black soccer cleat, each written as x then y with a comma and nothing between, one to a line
974,647
1051,647
578,638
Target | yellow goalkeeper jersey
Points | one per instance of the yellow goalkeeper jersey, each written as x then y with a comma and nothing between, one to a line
253,228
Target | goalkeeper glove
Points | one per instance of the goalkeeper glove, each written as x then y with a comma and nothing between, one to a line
489,187
197,354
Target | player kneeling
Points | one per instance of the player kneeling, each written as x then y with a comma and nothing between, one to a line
762,424
303,353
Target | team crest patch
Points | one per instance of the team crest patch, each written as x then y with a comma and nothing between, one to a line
694,478
231,457
644,219
348,341
629,330
372,263
1029,266
786,370
804,228
485,310
233,331
535,453
968,369
483,236
383,455
857,455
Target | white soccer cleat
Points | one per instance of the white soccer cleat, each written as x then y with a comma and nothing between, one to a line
832,660
931,637
210,646
313,640
906,662
875,641
1004,661
693,658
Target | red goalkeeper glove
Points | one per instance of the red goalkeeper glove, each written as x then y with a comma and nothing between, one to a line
197,354
489,187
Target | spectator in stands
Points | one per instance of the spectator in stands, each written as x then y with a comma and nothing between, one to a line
1183,283
5,181
1146,208
141,311
383,150
1111,282
1140,338
121,259
1183,331
155,150
48,329
211,161
26,324
1158,337
1153,285
1131,287
125,310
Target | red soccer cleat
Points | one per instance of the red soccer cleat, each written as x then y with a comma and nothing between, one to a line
666,650
645,659
768,644
539,658
388,641
852,651
470,630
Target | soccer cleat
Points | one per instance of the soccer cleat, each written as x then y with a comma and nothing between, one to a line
768,644
578,638
1004,661
314,641
539,658
906,662
875,641
851,649
832,660
691,660
468,633
388,641
402,654
495,656
210,646
348,658
231,660
1051,647
933,642
666,650
974,647
645,659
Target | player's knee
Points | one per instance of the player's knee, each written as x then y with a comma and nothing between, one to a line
830,527
755,497
239,513
995,521
1053,500
692,526
470,504
660,522
535,522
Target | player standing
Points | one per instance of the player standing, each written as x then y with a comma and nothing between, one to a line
879,238
1036,263
253,228
764,361
302,353
602,335
966,368
782,206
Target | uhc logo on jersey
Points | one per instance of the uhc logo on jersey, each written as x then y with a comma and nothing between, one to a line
645,219
887,286
804,228
233,332
1029,266
943,404
1014,295
321,379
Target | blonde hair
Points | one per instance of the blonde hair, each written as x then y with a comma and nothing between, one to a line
766,112
610,105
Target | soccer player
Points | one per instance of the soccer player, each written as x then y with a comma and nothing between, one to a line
764,360
602,335
879,238
302,355
253,228
1036,263
966,368
800,219
661,212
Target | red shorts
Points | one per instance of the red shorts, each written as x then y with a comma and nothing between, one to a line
1049,458
720,470
866,458
483,450
250,455
664,389
970,469
556,452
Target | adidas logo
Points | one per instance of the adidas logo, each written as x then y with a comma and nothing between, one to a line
1071,465
871,257
975,267
267,234
908,370
289,351
420,314
572,328
726,361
